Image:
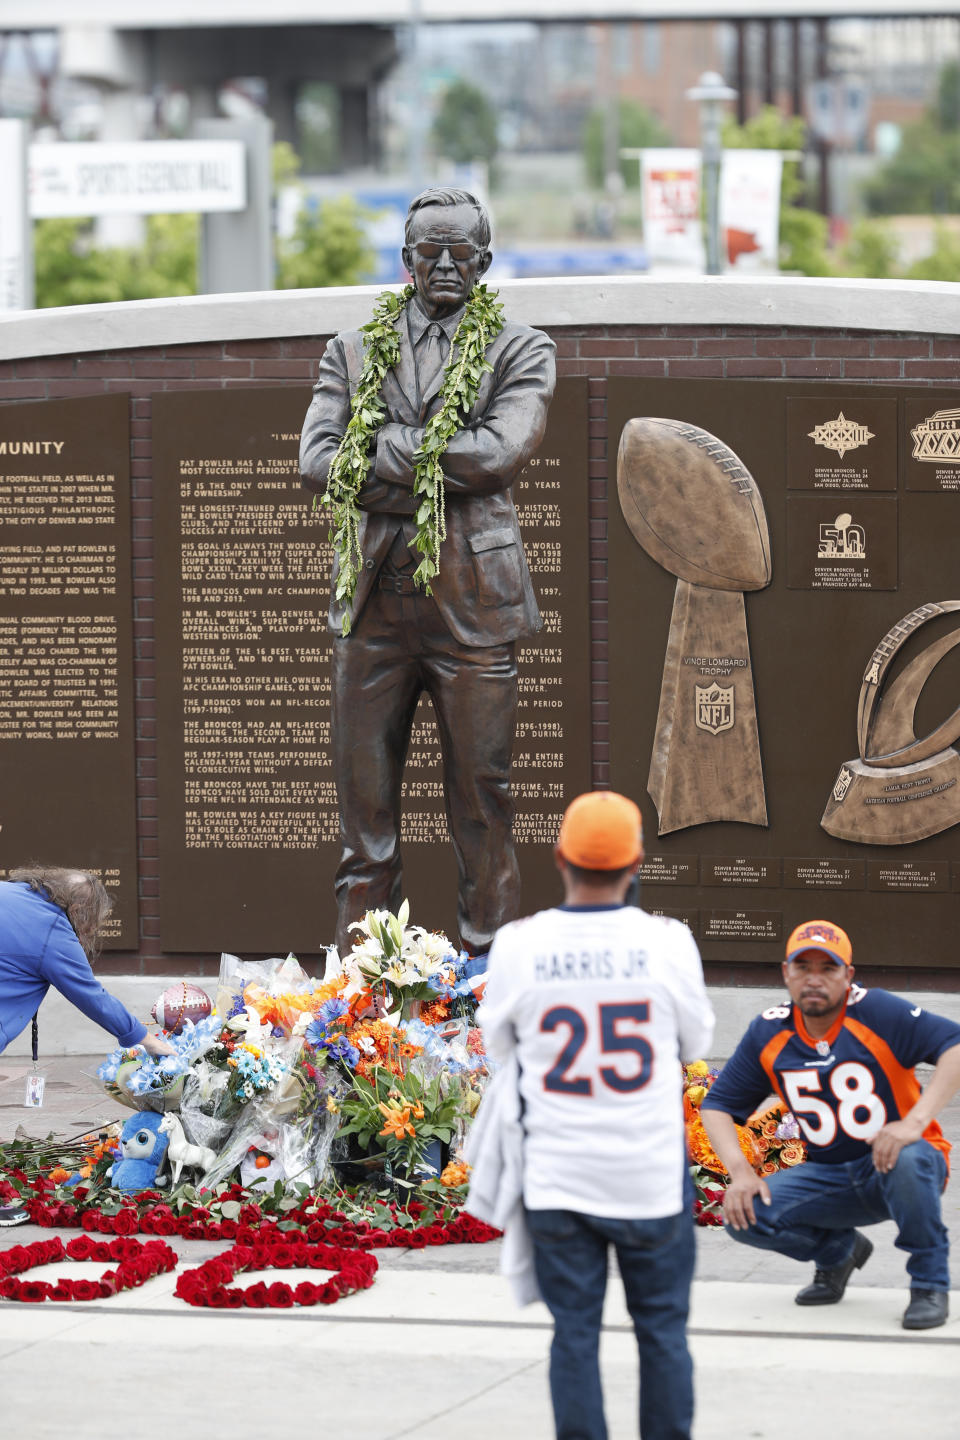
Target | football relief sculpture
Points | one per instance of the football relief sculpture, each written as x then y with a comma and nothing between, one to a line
693,506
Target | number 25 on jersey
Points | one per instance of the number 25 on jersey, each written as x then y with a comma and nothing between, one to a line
612,1022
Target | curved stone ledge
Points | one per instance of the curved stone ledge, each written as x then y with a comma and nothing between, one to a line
914,307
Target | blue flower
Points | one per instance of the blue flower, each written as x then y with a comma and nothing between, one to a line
332,1010
237,1008
341,1049
315,1034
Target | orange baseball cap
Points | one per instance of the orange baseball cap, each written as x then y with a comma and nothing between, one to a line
821,935
601,831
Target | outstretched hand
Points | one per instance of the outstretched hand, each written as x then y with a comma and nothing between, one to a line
156,1045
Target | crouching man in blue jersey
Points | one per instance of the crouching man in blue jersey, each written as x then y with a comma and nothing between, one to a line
842,1059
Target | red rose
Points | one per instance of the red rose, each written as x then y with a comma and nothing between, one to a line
86,1290
62,1291
250,1215
256,1296
306,1294
90,1220
233,1299
34,1290
125,1222
81,1248
228,1229
279,1296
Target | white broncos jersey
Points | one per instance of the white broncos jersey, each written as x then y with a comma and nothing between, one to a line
600,1005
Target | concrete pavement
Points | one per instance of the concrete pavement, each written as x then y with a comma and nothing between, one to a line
437,1349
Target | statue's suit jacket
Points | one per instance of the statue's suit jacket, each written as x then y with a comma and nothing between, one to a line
483,590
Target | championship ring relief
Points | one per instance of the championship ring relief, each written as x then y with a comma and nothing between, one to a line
901,788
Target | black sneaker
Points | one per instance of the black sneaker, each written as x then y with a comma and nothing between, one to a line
927,1309
829,1284
13,1215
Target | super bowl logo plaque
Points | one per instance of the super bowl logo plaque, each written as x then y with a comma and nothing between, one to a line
902,787
693,506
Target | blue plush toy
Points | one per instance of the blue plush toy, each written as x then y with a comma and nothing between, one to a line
142,1145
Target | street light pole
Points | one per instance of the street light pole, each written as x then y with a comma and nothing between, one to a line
712,94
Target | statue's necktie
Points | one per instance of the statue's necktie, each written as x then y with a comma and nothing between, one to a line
431,357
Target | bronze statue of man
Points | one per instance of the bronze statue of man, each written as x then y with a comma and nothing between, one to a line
449,628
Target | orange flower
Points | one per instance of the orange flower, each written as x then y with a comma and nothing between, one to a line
455,1173
769,1167
433,1011
418,1111
58,1174
793,1153
396,1122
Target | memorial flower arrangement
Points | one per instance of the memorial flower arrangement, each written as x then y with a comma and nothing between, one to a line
770,1140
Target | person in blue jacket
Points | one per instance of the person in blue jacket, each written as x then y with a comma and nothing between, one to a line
51,921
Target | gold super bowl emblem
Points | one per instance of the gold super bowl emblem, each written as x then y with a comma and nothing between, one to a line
715,711
936,440
840,435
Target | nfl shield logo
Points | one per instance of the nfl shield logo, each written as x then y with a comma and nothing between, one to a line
714,708
843,783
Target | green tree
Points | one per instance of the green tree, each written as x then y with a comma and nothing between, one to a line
943,263
804,233
871,251
637,129
71,270
465,126
329,246
923,177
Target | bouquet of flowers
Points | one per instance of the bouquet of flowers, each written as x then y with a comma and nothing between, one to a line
403,1116
141,1082
398,963
770,1140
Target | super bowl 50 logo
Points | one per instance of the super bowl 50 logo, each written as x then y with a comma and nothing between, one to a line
936,440
715,708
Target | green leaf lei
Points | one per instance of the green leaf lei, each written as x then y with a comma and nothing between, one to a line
482,321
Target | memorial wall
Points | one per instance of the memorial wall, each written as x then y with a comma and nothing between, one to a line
784,711
66,684
842,648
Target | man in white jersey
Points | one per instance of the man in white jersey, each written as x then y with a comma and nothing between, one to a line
599,1002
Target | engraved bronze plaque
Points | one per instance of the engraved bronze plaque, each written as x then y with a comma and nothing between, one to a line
690,918
756,872
842,544
842,442
741,924
670,870
913,875
821,873
808,651
66,701
931,441
248,812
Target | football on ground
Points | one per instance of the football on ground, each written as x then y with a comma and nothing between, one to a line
693,505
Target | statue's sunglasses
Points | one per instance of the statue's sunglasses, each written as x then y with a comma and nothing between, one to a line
433,249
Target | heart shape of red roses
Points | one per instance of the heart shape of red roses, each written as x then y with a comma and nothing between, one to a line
138,1262
209,1284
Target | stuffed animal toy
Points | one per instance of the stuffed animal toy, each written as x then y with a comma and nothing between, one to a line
143,1146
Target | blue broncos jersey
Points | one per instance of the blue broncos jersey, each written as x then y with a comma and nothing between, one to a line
846,1086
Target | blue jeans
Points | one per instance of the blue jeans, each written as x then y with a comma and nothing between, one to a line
816,1207
656,1259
